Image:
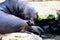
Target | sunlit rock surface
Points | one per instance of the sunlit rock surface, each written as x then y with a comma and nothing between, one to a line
21,36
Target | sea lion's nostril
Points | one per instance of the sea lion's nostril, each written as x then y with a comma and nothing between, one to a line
30,22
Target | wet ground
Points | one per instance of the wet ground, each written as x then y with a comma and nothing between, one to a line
55,38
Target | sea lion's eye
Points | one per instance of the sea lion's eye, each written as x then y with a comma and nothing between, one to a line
27,18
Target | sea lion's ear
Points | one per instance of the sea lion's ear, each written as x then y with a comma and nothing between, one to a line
36,15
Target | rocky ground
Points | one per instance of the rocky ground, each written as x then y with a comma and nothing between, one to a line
55,38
